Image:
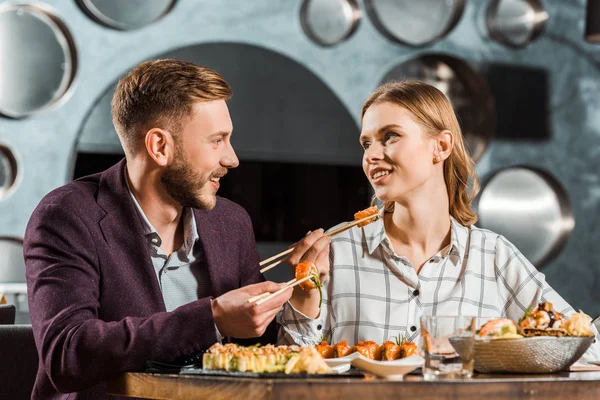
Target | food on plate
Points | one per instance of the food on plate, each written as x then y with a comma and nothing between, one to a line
325,349
578,324
390,351
500,328
368,349
543,320
306,269
261,359
371,211
408,348
341,349
402,348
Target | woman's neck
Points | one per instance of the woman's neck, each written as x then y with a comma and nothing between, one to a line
420,225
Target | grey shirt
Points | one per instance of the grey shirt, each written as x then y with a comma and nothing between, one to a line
182,275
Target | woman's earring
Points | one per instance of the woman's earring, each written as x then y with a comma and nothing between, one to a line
437,158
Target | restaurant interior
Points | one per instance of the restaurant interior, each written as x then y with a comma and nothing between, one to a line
522,75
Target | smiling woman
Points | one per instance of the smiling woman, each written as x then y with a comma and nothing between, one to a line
424,256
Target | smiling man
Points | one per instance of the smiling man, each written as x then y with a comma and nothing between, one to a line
144,261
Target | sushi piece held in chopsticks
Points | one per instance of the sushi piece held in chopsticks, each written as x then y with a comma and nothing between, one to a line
305,269
368,212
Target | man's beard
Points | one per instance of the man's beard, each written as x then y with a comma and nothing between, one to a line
183,184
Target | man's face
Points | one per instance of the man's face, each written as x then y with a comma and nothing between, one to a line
203,155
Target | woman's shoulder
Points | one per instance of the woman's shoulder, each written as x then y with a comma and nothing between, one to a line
491,240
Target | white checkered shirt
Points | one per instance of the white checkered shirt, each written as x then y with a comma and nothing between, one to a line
374,294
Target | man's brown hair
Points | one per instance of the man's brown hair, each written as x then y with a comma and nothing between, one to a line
161,94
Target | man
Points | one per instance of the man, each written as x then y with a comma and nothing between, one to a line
143,261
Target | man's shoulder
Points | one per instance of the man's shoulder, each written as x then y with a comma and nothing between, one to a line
74,193
228,208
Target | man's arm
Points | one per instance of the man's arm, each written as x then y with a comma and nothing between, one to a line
76,347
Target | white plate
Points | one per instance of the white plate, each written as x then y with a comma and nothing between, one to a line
394,370
347,360
340,369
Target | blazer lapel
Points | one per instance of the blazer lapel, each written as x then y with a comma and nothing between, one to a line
215,251
123,231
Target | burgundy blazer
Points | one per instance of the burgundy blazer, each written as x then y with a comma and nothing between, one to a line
95,303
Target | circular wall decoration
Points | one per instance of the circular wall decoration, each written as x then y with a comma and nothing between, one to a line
39,59
415,23
515,23
126,15
11,258
329,22
469,94
10,172
530,208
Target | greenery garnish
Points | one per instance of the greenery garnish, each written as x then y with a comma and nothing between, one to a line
528,311
400,339
317,281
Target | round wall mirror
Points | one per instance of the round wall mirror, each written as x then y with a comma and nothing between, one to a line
329,22
126,15
515,23
469,94
530,208
10,172
38,59
415,23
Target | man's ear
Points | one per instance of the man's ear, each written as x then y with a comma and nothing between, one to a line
160,146
444,144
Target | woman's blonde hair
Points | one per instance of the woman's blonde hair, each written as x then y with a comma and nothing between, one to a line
433,111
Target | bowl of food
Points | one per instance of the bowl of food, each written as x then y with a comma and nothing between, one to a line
535,345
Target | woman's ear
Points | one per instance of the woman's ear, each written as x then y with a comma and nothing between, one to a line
444,144
159,145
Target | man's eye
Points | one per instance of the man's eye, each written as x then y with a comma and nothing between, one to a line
218,141
365,145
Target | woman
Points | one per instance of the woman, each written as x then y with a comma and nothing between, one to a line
423,256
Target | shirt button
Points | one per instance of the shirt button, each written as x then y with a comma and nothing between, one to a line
319,327
155,240
413,328
416,292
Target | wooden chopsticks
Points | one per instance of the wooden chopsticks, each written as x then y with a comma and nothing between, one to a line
261,298
330,233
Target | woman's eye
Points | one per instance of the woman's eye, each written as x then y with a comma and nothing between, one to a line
390,135
365,145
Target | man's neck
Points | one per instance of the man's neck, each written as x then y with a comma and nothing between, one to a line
162,212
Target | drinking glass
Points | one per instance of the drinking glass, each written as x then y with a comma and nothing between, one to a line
439,337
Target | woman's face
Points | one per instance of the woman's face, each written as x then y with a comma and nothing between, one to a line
398,154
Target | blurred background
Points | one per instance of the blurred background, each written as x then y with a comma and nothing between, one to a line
523,76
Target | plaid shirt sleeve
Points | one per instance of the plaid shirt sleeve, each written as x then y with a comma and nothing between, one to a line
524,286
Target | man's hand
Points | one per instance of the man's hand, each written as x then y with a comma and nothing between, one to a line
234,316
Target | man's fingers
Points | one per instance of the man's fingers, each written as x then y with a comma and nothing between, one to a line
262,287
275,302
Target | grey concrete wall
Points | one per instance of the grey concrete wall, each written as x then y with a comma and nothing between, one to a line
569,148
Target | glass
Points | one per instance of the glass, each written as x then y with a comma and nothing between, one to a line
438,333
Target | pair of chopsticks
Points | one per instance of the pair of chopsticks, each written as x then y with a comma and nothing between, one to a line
261,298
330,233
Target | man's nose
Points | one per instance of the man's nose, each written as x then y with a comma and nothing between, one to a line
230,159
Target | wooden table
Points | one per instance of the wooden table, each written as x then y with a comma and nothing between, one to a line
561,386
